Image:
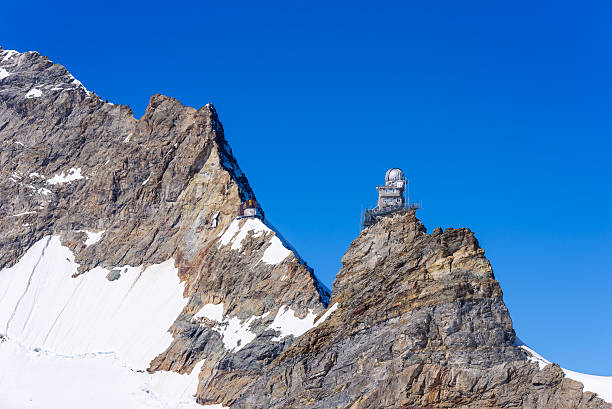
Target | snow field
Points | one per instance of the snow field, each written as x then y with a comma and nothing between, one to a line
85,341
45,380
287,323
236,333
238,230
33,93
42,306
92,237
73,174
211,311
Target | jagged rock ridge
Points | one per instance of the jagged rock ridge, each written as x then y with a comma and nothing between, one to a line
98,208
119,193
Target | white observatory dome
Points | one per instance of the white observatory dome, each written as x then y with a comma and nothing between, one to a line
394,174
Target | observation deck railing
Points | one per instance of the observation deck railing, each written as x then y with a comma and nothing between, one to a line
370,216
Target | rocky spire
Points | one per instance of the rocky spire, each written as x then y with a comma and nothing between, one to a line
417,320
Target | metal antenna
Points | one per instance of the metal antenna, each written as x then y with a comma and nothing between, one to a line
408,191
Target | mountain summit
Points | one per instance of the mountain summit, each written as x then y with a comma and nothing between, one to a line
418,322
114,231
127,279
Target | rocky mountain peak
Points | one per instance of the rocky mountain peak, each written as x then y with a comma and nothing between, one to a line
131,167
139,199
416,320
30,75
120,241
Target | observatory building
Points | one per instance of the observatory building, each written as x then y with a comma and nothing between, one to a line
250,208
392,193
393,197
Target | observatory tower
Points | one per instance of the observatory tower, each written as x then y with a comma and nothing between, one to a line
393,196
392,193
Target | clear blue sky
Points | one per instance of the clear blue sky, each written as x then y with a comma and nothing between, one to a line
498,112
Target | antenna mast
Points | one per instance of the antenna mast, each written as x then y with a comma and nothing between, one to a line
408,191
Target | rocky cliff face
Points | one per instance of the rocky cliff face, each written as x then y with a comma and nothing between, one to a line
418,321
122,192
114,230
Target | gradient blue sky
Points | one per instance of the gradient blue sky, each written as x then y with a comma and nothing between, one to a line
498,112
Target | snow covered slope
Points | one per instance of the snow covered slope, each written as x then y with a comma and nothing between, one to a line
86,341
43,306
41,379
601,385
